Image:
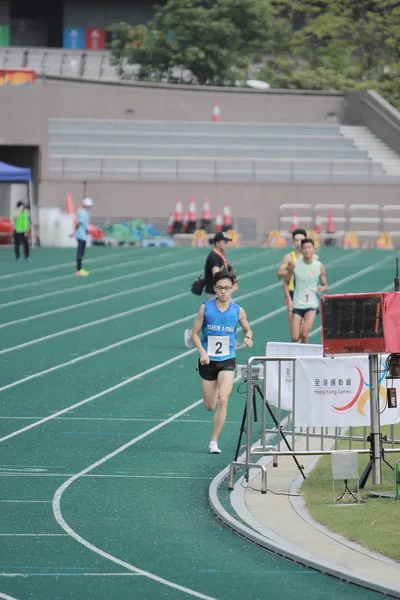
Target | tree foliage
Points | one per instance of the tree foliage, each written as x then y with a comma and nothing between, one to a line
297,44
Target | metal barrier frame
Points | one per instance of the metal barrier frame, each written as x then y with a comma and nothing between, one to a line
309,432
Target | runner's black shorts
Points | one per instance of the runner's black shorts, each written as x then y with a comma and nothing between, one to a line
302,311
210,372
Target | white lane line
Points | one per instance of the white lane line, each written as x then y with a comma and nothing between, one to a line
66,264
120,343
131,379
97,300
42,282
25,501
23,286
101,476
67,575
79,288
123,314
140,375
33,534
139,420
64,525
6,597
158,329
99,395
92,323
104,392
118,294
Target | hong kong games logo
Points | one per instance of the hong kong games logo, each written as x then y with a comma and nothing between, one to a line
362,394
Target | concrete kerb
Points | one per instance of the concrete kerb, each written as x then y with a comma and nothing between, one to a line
264,537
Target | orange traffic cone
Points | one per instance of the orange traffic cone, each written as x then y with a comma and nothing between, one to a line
295,221
216,116
330,226
317,224
178,217
69,205
227,222
192,224
170,228
218,222
185,221
206,216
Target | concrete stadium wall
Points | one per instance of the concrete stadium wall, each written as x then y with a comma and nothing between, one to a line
251,200
24,115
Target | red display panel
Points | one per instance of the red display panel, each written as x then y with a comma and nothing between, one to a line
361,323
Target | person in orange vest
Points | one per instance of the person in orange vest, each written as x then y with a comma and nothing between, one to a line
21,228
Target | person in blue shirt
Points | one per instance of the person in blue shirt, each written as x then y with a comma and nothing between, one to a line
217,320
81,234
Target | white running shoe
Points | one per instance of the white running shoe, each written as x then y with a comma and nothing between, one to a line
188,338
213,448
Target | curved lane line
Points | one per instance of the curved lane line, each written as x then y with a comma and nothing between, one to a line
68,529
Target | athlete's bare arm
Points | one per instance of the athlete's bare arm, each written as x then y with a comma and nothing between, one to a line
248,334
323,288
197,325
286,261
288,277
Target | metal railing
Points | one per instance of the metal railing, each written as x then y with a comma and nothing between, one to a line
214,169
287,427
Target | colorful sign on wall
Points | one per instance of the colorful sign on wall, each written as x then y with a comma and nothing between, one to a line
4,35
17,77
74,38
95,39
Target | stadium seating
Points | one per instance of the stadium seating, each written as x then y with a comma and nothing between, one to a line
123,149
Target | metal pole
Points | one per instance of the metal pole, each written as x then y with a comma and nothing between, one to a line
264,409
278,408
34,215
375,420
249,414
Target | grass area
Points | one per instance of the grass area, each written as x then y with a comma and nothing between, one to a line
375,523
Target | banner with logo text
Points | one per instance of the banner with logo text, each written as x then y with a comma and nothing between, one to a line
334,392
285,350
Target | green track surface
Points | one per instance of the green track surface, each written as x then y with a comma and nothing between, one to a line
146,505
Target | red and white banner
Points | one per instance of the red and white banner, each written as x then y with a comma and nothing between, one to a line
335,392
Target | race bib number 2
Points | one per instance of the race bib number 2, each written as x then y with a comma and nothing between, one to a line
218,346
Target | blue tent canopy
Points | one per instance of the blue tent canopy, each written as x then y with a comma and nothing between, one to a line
11,173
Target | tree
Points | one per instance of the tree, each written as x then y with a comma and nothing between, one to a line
208,37
301,44
336,45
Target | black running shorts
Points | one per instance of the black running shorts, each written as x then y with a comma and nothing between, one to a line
302,311
210,372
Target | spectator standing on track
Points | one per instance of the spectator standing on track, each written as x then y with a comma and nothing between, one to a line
217,319
215,262
81,234
21,228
